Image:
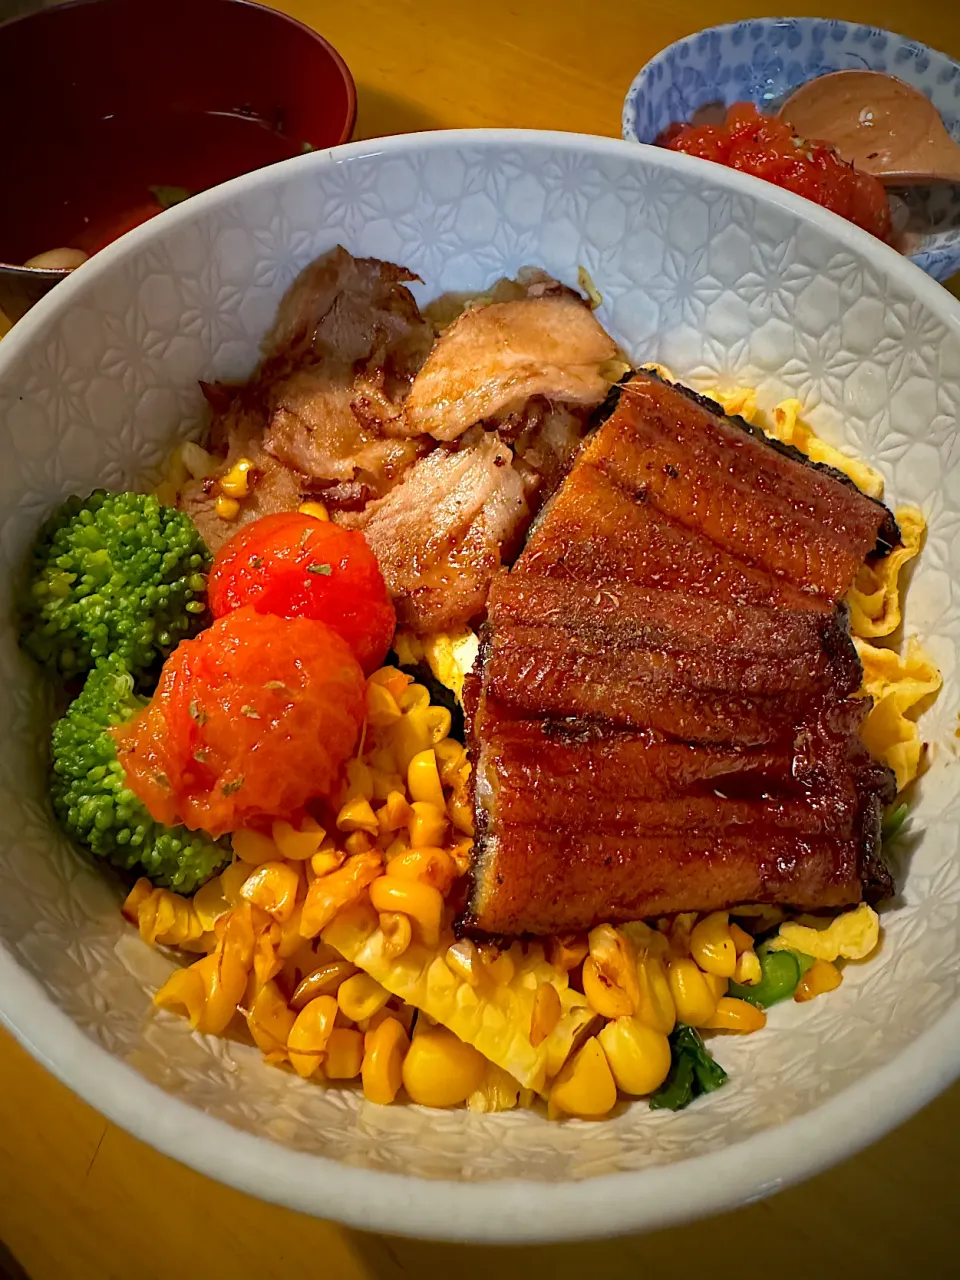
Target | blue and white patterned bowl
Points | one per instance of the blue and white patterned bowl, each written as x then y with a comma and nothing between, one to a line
762,59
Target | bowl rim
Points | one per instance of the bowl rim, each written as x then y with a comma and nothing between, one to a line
493,1211
627,127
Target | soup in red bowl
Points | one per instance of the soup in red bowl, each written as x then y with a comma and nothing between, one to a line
120,108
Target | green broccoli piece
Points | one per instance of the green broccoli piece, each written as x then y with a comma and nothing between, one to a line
95,806
115,573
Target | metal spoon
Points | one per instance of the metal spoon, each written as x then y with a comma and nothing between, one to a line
877,123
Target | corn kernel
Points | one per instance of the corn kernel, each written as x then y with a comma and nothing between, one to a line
357,842
639,1057
568,950
718,986
693,998
423,779
253,848
741,939
361,997
822,976
440,1070
431,866
748,971
610,980
384,1049
736,1015
308,1037
329,895
209,903
465,960
315,509
421,902
183,992
298,846
236,935
585,1086
324,980
344,1055
327,860
357,815
400,845
236,482
270,1019
385,782
382,709
679,931
460,813
393,679
397,933
501,965
224,981
226,508
140,892
359,781
712,946
451,754
428,825
273,888
546,1012
232,880
414,698
655,1007
396,813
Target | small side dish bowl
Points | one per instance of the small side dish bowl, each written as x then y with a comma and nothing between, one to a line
762,60
122,107
727,281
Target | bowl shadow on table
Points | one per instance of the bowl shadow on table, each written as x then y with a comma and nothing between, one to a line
380,114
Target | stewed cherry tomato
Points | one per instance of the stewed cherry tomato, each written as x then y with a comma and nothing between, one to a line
768,148
249,721
297,566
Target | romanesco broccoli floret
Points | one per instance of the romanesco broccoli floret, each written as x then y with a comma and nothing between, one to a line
115,573
97,808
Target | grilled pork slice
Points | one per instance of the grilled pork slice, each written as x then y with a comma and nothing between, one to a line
577,826
440,534
712,477
494,358
320,415
342,354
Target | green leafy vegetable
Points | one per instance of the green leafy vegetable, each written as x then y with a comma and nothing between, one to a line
893,820
781,971
166,197
324,570
693,1071
306,148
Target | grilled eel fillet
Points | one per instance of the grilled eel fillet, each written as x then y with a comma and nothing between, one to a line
664,716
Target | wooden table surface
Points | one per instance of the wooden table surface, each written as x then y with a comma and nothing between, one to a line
79,1198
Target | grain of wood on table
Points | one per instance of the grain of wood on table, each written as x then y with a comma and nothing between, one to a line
79,1199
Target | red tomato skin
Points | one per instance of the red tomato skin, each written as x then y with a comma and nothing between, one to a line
250,720
297,566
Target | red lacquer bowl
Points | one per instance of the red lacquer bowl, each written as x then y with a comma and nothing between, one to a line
116,108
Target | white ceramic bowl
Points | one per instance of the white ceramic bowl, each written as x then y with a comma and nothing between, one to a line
720,276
